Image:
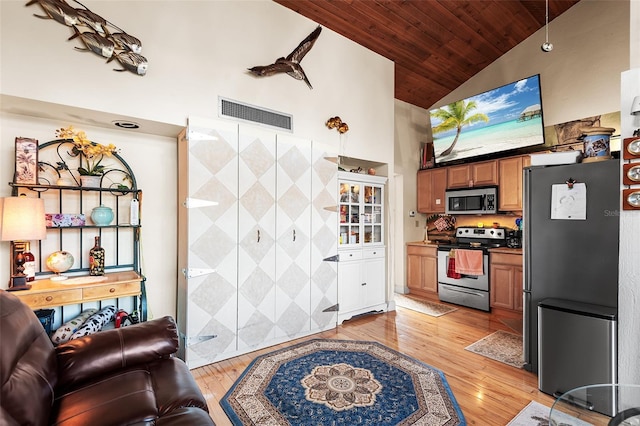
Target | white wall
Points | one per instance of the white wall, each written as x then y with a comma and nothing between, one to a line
410,131
197,51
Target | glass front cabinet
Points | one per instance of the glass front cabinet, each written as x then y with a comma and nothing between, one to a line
362,283
361,210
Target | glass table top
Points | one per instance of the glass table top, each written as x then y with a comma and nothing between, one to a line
601,404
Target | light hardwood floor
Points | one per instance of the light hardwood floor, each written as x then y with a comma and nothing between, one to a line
488,392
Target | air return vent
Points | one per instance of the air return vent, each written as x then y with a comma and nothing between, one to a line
233,109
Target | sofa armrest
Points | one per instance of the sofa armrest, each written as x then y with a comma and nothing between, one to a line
110,350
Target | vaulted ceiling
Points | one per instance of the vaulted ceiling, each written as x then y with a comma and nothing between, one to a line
435,45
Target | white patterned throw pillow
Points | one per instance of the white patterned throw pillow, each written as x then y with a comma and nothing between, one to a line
64,332
95,322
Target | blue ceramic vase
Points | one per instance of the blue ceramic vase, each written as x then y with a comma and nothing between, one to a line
102,215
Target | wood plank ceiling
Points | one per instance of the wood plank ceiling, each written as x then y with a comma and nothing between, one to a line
435,45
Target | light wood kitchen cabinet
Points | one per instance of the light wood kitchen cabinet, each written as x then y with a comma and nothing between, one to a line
506,281
484,173
422,269
510,182
431,186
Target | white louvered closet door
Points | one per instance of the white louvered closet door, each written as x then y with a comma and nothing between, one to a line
293,236
256,237
207,301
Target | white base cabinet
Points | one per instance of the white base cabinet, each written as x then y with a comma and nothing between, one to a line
362,282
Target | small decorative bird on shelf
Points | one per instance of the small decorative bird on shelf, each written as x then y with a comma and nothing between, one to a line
290,64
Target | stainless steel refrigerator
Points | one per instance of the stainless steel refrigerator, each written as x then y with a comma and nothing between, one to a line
575,260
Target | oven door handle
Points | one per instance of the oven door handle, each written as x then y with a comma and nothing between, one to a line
470,277
469,292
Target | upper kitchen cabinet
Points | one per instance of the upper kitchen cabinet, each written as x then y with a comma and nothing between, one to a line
431,186
484,173
510,182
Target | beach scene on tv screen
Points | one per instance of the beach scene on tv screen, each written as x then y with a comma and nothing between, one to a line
503,119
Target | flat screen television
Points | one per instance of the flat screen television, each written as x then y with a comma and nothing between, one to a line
504,119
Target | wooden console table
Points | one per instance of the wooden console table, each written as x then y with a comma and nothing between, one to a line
51,294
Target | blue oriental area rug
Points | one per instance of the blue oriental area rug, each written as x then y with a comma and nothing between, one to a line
341,382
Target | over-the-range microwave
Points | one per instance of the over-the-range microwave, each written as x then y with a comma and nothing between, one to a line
472,200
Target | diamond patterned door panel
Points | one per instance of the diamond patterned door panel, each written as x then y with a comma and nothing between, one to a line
207,304
293,227
256,237
254,264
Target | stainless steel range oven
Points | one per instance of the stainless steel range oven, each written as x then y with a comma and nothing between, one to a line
463,289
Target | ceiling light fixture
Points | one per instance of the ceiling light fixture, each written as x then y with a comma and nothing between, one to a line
546,46
124,124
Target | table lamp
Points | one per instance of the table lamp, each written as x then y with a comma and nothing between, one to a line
635,106
21,219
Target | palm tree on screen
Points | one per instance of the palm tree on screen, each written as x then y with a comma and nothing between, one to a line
455,116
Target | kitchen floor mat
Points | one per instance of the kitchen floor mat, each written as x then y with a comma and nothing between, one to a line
423,306
500,346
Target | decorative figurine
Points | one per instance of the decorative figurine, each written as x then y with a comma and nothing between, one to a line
290,64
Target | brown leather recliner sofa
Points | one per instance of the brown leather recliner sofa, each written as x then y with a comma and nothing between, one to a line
123,376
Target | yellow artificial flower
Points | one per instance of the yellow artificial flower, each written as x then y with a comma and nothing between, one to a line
93,152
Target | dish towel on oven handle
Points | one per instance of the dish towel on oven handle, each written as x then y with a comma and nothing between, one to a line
469,262
451,265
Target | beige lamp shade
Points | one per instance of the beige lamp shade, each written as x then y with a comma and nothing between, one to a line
635,106
22,219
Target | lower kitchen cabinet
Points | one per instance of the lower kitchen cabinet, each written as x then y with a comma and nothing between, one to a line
361,282
506,281
422,269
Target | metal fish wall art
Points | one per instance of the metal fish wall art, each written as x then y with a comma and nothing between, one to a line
58,10
125,41
98,39
131,61
95,42
94,21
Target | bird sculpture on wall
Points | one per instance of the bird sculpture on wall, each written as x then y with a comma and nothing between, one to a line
290,64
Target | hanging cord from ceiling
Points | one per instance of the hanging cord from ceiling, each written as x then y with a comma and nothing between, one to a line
546,46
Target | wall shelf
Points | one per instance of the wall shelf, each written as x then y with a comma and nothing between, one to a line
121,239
